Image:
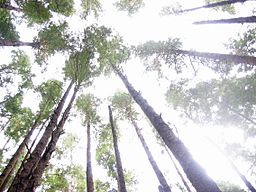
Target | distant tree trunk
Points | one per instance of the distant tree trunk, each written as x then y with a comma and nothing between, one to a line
195,173
9,168
217,4
153,163
177,169
239,20
219,56
36,175
244,179
120,173
4,148
16,43
9,7
89,175
28,167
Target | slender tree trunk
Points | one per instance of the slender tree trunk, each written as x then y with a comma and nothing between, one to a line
153,163
89,176
9,7
177,169
37,173
244,179
195,173
239,20
16,43
219,56
217,4
8,170
21,180
4,147
120,173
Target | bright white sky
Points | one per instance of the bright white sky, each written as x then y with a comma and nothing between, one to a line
143,26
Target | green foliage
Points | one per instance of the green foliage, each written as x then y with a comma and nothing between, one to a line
101,186
245,44
13,104
64,7
7,29
131,6
91,6
174,9
36,12
52,39
87,105
229,187
123,103
130,181
51,92
226,8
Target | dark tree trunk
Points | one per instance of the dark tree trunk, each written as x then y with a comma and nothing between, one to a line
36,176
9,7
29,166
219,57
177,169
14,43
153,163
89,176
195,173
239,20
9,168
120,173
4,148
217,4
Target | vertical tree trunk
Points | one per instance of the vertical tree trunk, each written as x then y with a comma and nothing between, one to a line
37,173
153,163
28,167
120,173
239,20
195,173
8,170
217,4
16,43
89,176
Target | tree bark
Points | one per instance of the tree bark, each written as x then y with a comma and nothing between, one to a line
28,167
89,175
37,173
9,168
239,20
217,4
195,173
120,172
153,163
237,59
14,43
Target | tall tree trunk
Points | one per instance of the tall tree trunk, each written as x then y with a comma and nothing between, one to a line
16,43
219,56
244,179
120,173
177,169
89,176
38,170
239,20
21,180
195,173
153,163
217,4
9,7
9,168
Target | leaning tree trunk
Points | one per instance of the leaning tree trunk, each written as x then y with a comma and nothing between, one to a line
120,173
28,167
9,168
36,175
153,163
9,7
89,175
212,5
16,43
239,20
237,59
195,173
